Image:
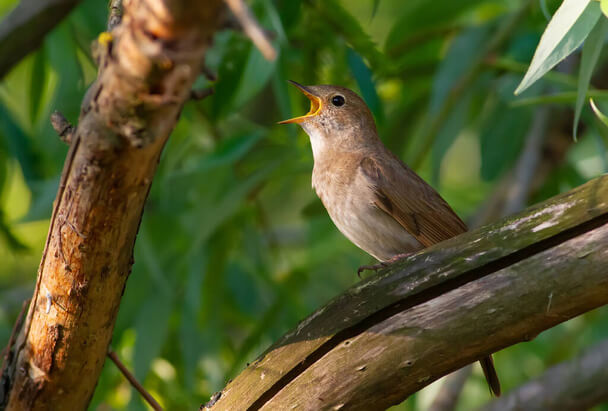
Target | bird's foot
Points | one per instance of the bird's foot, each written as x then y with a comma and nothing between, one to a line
383,264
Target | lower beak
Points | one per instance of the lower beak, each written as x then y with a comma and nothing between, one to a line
315,105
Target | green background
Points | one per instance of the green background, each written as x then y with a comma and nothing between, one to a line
235,248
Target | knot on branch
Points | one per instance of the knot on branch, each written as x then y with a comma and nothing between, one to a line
63,127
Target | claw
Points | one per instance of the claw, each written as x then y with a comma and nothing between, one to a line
382,264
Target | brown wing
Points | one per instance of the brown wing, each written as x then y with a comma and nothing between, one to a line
405,196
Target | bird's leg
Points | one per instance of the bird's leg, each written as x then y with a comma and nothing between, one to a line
383,264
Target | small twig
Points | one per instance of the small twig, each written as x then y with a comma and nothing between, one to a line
131,378
201,93
576,384
252,28
62,126
11,340
115,14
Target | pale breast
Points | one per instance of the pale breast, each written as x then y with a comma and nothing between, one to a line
350,203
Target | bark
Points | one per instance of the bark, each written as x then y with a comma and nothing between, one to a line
24,28
578,384
147,67
437,311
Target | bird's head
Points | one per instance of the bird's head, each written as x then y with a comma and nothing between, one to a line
338,118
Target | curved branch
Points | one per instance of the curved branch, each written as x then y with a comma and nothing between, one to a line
578,384
439,310
24,28
147,67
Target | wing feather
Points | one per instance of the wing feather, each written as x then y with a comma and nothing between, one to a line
412,202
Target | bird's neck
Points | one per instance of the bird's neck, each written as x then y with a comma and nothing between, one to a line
341,142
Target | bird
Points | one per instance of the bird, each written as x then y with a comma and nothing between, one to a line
372,197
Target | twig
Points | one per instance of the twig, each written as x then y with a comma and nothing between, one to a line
63,127
578,384
437,122
115,14
131,378
201,93
11,340
252,28
209,74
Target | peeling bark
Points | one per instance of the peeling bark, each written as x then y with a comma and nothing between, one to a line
147,66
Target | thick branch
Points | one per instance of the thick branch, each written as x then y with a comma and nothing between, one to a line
574,385
439,310
147,67
23,29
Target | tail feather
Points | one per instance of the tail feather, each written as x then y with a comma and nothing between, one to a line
487,365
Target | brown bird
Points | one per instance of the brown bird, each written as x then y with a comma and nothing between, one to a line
373,198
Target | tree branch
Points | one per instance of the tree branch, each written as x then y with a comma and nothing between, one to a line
578,384
147,67
443,308
23,29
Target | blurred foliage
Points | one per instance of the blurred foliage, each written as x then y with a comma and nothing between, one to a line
234,247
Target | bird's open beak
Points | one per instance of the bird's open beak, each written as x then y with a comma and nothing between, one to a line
315,105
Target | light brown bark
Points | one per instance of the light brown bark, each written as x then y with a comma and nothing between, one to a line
437,311
147,67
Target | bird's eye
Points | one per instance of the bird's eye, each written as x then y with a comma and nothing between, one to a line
337,100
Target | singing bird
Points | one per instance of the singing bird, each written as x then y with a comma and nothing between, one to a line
374,199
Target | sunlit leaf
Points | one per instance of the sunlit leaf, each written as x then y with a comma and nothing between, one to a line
604,7
591,52
12,240
566,31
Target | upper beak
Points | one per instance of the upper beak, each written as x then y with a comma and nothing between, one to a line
315,104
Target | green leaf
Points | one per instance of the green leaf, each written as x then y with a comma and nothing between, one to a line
19,145
503,131
13,242
228,151
566,97
151,327
421,18
37,83
604,7
348,26
453,125
591,53
363,76
375,8
601,116
461,54
568,28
